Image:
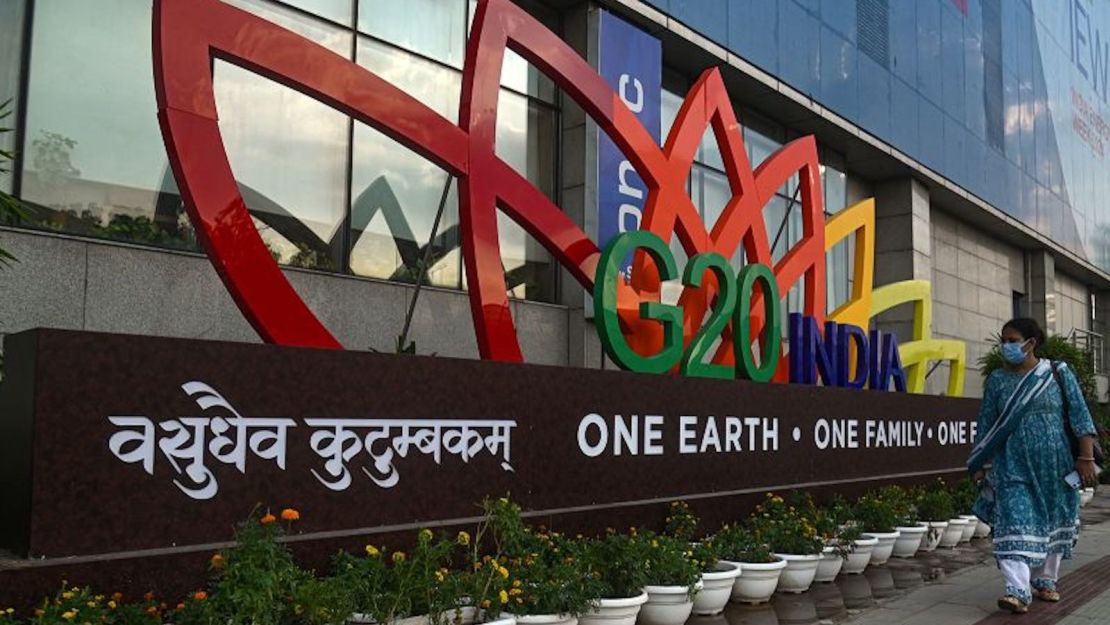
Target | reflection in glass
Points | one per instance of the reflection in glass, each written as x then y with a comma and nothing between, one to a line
433,28
288,154
332,38
525,140
94,160
395,193
334,10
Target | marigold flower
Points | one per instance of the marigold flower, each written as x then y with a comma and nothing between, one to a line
398,556
200,595
67,595
180,606
372,551
439,576
69,615
503,596
152,610
217,561
463,538
39,612
267,519
516,583
515,591
290,514
503,571
90,604
111,604
9,611
425,535
485,604
117,596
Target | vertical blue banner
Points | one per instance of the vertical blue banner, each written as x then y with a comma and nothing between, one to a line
631,61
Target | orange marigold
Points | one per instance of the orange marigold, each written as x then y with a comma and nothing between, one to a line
290,514
218,561
200,595
268,519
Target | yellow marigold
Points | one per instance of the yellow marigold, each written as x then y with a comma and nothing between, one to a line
111,605
90,604
217,561
290,514
439,576
632,531
372,551
516,583
515,591
398,556
200,595
503,596
425,535
67,595
503,571
477,566
69,615
9,611
463,538
654,543
267,519
485,604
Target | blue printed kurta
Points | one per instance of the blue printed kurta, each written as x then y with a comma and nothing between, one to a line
1033,512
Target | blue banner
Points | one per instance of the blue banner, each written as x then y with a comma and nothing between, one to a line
631,61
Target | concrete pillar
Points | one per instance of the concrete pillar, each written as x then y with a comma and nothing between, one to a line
578,191
1042,289
903,245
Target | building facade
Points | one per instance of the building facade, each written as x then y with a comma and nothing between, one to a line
979,127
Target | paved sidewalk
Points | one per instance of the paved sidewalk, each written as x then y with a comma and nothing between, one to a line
950,588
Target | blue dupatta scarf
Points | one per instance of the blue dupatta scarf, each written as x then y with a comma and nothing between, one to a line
1032,384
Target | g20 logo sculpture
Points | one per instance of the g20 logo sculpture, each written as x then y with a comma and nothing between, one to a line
189,34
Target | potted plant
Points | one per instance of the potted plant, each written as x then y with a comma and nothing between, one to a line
673,580
910,530
759,568
834,530
477,590
791,537
399,588
619,563
549,583
717,576
877,519
964,495
934,506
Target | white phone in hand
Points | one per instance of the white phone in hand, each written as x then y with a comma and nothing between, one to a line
1073,480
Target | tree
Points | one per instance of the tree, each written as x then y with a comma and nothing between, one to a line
11,210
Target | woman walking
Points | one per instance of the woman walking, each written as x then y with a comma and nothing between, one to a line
1021,457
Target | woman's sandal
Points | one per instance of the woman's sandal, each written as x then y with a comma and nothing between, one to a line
1012,604
1050,596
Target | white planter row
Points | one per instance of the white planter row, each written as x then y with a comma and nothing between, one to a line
1085,496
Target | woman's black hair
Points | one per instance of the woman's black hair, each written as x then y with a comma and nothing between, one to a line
1027,328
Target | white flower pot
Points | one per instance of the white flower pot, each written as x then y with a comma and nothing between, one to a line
969,529
757,581
830,565
881,553
860,557
716,588
982,530
504,619
1086,495
621,611
546,619
800,570
666,605
931,538
953,534
461,615
908,541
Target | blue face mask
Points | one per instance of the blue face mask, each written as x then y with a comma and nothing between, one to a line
1014,353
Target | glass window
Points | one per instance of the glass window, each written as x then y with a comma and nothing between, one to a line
288,154
433,28
11,46
335,10
516,73
94,159
335,39
395,192
526,132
